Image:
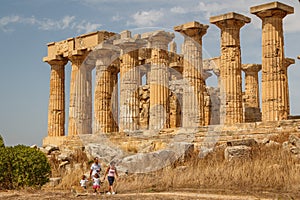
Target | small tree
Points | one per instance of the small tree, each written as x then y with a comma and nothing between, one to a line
30,167
1,142
22,166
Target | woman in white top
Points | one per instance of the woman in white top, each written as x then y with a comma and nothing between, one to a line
111,173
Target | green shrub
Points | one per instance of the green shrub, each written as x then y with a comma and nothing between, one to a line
1,142
22,166
6,176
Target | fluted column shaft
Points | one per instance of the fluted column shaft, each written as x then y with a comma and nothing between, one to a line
193,92
56,108
251,104
159,79
129,99
230,67
251,85
80,115
103,94
274,87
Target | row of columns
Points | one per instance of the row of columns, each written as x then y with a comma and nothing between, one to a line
275,97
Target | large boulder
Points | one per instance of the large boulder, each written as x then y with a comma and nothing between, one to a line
147,162
104,152
183,150
153,161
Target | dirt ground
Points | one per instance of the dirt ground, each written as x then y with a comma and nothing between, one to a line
192,194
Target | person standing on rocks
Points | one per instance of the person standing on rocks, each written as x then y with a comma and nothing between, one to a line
95,168
111,173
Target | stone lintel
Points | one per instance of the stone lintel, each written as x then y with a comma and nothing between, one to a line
251,67
272,6
229,16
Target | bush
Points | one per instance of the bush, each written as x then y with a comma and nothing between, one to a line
1,142
22,166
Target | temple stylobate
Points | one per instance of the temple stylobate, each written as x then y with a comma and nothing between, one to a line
141,83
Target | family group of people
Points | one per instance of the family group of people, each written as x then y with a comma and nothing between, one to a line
111,173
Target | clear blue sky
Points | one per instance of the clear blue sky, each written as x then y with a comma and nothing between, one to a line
26,26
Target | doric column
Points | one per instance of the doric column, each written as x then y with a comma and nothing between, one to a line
159,78
105,80
129,81
56,109
207,101
193,94
287,63
80,115
274,99
252,109
115,69
230,66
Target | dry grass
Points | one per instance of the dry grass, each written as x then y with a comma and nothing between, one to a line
269,168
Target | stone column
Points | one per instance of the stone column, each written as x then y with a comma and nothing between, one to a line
129,81
56,109
274,100
115,69
207,101
159,78
252,109
193,94
230,66
287,63
80,88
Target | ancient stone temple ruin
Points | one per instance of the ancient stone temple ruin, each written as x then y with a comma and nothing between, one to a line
143,85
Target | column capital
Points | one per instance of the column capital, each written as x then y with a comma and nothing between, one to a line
128,43
158,39
61,62
248,68
288,62
192,29
271,10
231,19
105,54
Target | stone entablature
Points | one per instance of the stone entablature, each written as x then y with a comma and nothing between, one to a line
142,83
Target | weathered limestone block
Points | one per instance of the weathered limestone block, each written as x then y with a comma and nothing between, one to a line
274,87
230,66
193,98
245,142
234,152
183,150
